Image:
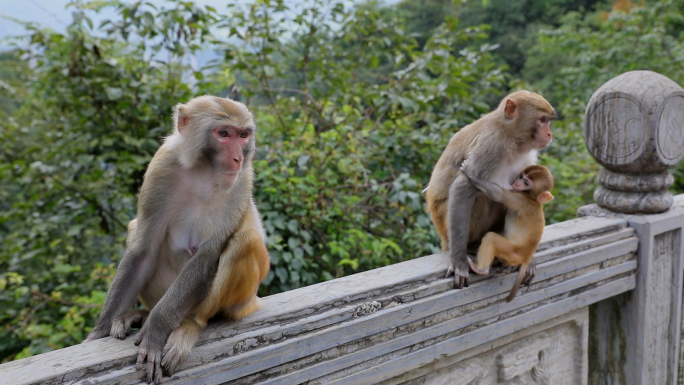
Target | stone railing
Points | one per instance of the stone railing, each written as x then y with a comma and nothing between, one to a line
604,308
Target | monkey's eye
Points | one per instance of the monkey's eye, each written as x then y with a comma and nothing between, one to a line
520,176
244,134
527,183
223,133
543,119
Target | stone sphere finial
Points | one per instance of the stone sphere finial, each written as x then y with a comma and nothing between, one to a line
634,128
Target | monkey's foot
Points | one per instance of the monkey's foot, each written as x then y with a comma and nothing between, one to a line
97,333
474,268
179,344
461,271
530,273
122,326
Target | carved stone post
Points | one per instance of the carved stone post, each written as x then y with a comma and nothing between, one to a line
634,127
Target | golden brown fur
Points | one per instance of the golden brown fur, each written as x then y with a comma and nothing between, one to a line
524,222
197,248
499,144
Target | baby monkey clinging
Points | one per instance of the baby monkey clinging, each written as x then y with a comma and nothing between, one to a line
524,220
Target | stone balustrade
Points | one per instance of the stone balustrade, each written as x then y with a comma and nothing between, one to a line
395,324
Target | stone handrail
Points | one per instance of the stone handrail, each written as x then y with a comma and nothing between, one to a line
401,321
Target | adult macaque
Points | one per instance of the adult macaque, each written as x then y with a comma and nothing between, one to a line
197,247
499,145
524,220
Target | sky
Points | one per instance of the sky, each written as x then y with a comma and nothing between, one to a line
53,14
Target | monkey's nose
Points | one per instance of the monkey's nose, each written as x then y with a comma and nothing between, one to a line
237,163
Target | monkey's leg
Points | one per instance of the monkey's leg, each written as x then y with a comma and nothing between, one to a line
487,216
242,267
485,256
121,326
438,215
500,247
188,289
507,252
460,204
181,341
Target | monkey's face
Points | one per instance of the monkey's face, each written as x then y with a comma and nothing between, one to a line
522,183
231,145
534,180
542,135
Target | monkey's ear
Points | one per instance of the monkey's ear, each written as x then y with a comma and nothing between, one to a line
544,197
182,117
510,109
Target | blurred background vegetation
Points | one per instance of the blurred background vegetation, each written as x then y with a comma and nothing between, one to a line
354,104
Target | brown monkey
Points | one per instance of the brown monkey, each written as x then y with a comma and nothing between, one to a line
524,220
499,144
197,248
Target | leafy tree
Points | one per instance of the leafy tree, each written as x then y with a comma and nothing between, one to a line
72,160
513,21
512,25
12,72
570,62
342,157
422,17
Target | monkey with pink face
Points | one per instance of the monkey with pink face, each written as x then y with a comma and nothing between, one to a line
498,146
197,248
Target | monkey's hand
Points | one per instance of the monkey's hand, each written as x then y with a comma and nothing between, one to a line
121,327
151,344
466,168
460,268
529,274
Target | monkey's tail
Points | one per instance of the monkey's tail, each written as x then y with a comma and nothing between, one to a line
518,281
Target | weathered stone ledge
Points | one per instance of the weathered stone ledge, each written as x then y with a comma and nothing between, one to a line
375,325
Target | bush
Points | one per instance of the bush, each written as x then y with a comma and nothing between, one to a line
344,149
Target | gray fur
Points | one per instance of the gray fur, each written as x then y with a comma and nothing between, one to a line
150,233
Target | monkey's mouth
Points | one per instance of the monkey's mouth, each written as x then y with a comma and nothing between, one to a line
231,177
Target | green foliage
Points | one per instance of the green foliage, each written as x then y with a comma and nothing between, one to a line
573,169
570,62
344,147
422,16
512,23
12,73
71,162
343,155
353,105
588,50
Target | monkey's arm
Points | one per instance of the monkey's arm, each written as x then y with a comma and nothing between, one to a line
491,190
191,286
135,269
462,196
140,258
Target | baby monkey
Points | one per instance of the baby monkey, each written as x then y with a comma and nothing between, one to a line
524,220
